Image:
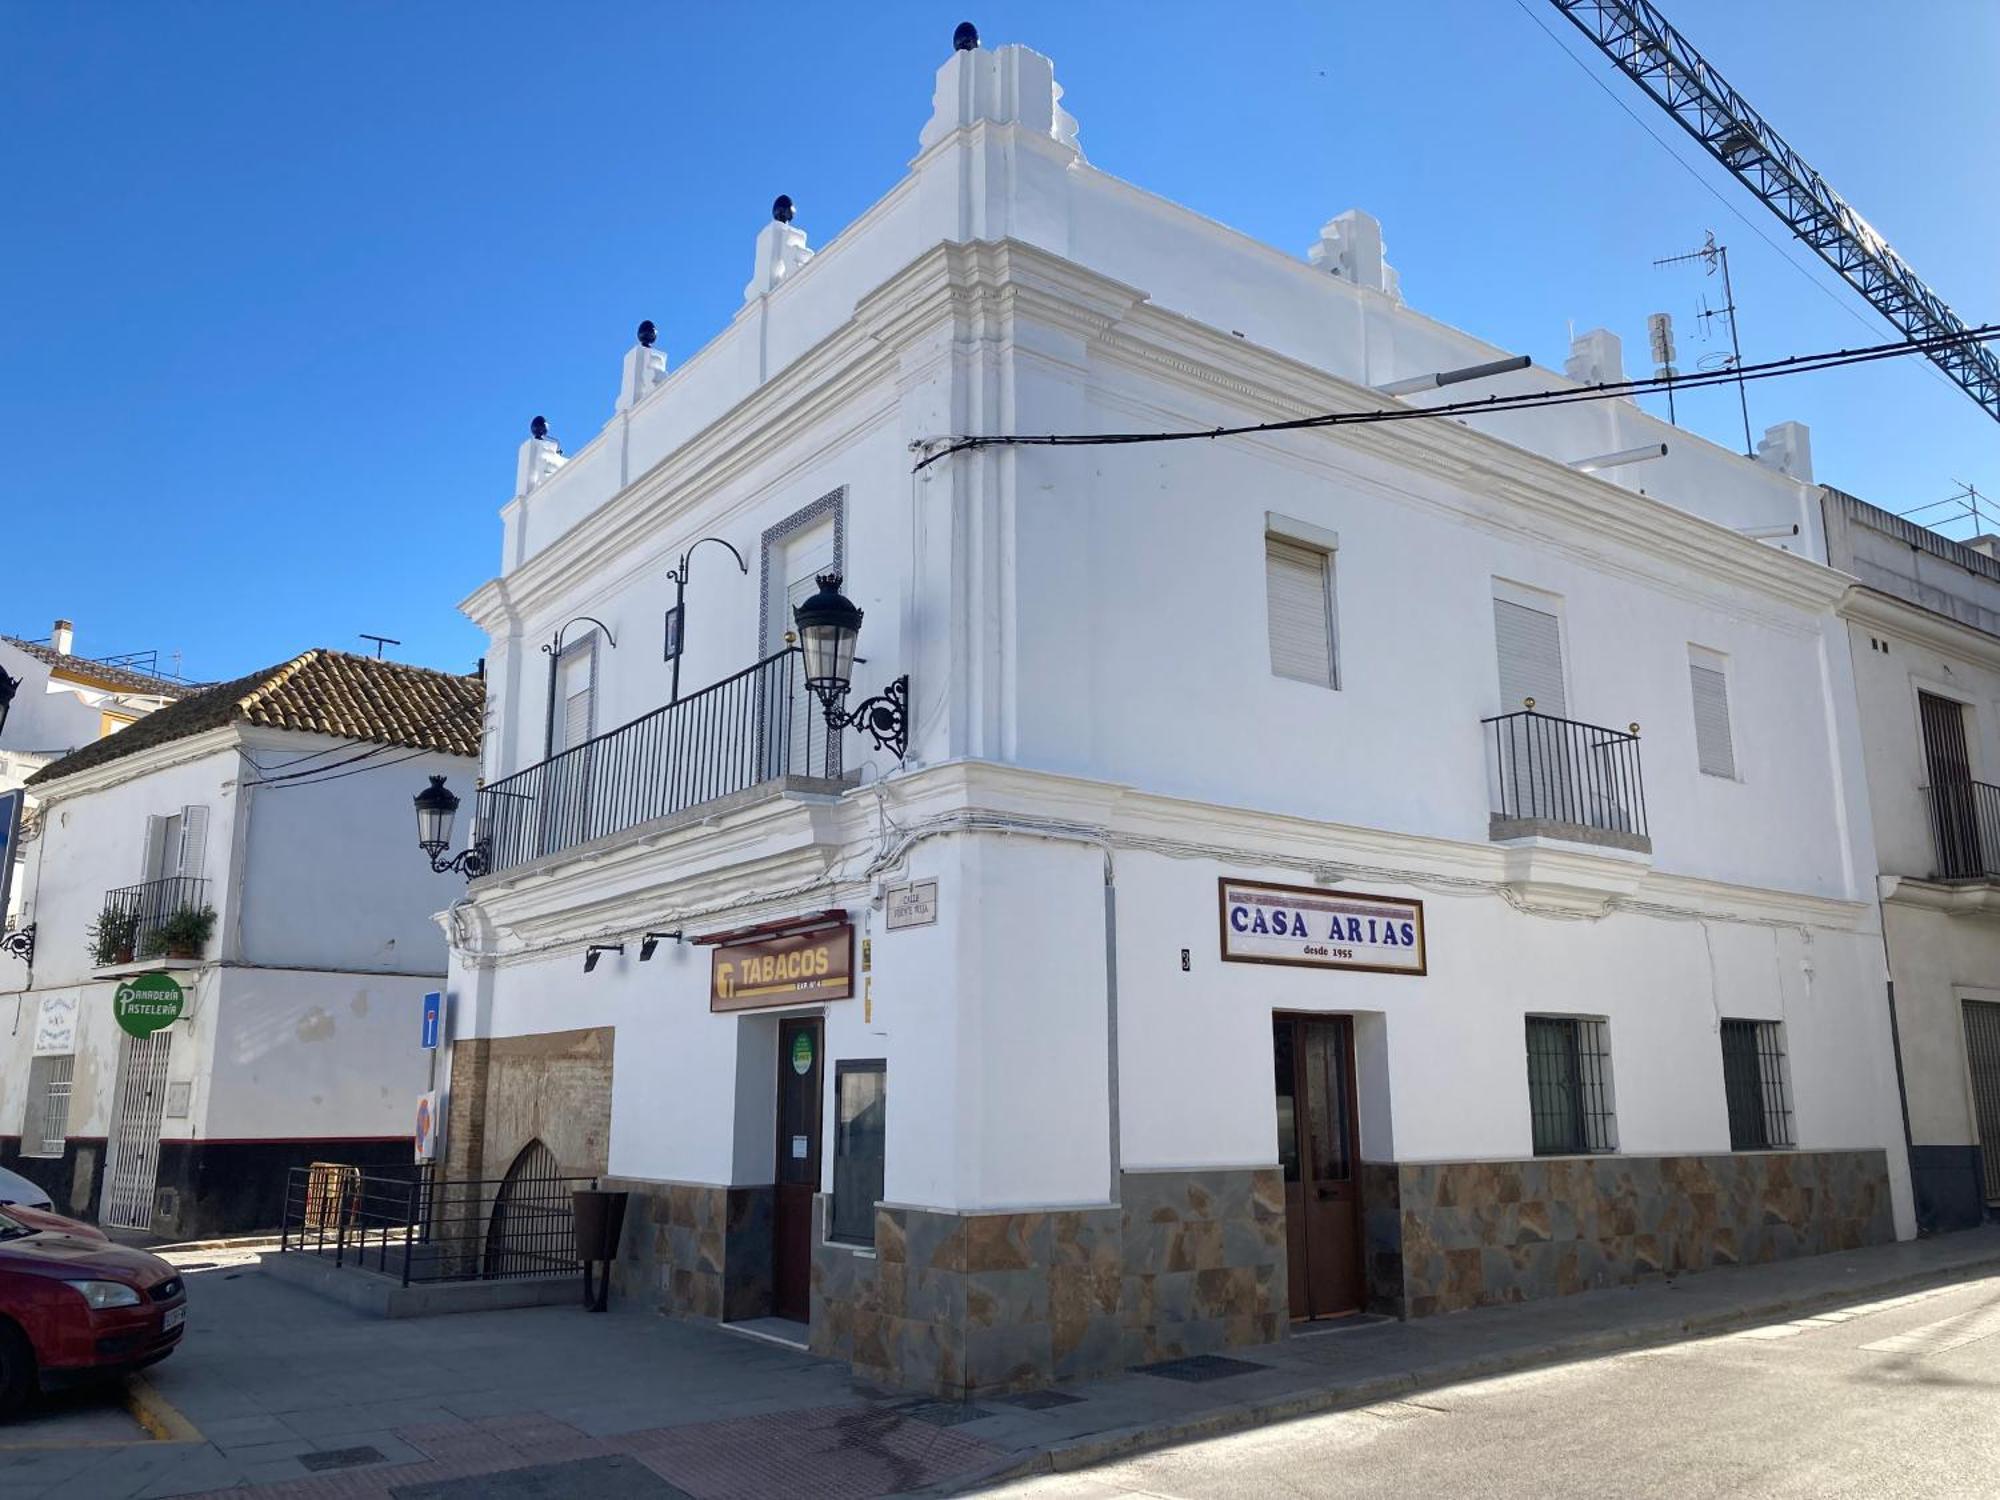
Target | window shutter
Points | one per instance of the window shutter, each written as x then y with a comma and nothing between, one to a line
1711,722
156,847
577,683
1299,595
1530,644
194,840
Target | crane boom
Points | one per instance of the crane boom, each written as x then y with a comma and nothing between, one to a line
1644,47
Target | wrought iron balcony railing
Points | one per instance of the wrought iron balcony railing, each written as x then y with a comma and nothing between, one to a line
133,915
758,726
1965,829
1566,779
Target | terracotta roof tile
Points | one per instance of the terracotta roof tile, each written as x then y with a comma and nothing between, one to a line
104,674
360,698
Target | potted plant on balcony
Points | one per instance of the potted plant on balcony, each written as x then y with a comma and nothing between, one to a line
113,936
183,933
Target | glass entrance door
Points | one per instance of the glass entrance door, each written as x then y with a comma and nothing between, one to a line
1318,1150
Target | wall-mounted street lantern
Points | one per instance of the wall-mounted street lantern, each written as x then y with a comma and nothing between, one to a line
676,634
437,807
9,686
828,625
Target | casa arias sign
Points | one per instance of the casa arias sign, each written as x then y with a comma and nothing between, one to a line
788,970
1320,929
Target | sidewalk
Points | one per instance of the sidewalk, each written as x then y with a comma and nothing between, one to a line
301,1398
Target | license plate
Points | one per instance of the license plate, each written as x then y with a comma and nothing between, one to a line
175,1317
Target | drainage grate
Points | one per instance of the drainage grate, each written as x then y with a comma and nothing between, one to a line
342,1458
1200,1367
944,1413
1041,1400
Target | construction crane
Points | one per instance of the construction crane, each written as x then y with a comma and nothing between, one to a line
1640,43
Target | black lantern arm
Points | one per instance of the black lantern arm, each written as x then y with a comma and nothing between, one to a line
680,574
884,718
9,686
554,646
19,943
437,807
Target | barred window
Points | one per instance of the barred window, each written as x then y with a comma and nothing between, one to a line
46,1129
1569,1085
1753,1078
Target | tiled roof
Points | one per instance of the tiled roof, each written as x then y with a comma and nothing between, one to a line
103,674
360,698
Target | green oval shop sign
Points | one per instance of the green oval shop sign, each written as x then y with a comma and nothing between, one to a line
147,1003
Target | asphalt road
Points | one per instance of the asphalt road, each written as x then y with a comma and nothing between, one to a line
1886,1399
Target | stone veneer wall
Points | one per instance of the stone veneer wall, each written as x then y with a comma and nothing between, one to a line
969,1304
695,1250
1472,1233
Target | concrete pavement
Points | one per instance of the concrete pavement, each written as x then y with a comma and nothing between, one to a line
299,1394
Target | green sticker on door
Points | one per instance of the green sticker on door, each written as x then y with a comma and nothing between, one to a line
147,1003
802,1053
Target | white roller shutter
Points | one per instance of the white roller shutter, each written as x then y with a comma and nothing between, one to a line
1298,589
1713,746
1530,642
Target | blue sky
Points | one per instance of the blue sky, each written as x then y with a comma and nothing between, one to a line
281,285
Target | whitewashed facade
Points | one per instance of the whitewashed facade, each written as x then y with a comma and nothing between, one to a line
300,1032
1138,673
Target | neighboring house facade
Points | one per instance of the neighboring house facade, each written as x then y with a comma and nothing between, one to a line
52,701
1033,1052
1925,625
298,1037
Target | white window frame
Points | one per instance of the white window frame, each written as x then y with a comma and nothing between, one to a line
1707,659
1293,532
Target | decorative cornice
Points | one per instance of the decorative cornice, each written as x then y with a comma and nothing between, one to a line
1869,606
1957,899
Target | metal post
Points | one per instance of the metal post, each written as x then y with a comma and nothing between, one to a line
409,1223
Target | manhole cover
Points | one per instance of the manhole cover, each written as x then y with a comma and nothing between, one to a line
1199,1367
341,1458
1041,1400
944,1413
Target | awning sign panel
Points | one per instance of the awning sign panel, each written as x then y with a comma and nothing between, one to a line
783,970
1317,928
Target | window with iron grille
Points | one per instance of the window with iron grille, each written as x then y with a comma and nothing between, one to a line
860,1099
1753,1078
46,1129
1569,1085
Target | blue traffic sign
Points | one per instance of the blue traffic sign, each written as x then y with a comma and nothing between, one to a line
433,1015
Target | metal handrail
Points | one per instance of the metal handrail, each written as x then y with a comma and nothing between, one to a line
1965,829
755,726
151,902
1567,772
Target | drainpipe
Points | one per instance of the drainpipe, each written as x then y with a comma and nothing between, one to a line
1111,1015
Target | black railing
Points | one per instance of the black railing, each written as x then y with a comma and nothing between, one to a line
1965,829
1568,774
139,911
420,1227
754,727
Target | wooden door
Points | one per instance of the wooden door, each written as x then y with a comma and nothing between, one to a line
800,1072
1318,1150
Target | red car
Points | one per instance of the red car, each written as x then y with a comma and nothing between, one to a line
76,1307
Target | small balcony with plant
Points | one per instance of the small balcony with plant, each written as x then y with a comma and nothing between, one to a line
153,923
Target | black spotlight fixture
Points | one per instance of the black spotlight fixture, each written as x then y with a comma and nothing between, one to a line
648,334
9,686
437,808
828,625
650,943
965,38
539,429
781,208
596,951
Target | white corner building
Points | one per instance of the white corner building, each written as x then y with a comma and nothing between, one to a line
1394,865
228,853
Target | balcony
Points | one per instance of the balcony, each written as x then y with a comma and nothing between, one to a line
1560,779
1965,830
154,918
758,727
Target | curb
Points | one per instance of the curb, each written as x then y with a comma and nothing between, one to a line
1097,1447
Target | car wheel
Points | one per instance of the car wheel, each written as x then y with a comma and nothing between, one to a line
17,1368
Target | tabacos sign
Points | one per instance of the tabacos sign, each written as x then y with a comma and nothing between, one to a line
147,1003
783,970
1320,929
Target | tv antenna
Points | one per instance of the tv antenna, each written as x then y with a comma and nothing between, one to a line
1714,257
380,641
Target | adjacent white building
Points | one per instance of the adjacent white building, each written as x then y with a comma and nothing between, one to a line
1397,865
1924,617
237,844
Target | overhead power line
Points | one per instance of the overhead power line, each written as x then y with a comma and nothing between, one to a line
1795,364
